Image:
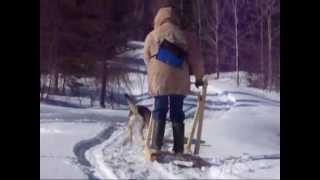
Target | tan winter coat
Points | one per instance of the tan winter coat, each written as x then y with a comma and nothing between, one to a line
164,79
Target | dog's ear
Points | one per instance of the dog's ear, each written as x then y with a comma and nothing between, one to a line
129,97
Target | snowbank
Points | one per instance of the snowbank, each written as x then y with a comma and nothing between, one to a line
250,127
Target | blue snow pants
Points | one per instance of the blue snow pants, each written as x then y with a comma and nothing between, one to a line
174,103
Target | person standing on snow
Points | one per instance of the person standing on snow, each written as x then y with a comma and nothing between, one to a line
170,55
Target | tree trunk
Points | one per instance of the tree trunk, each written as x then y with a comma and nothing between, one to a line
181,8
262,47
217,40
42,87
105,18
56,82
111,98
63,85
146,16
199,24
103,85
49,86
236,39
199,20
269,52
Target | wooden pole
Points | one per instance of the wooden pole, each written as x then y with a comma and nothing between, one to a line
147,152
152,132
195,121
200,118
149,133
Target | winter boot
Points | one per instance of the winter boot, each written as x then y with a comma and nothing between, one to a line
178,137
159,128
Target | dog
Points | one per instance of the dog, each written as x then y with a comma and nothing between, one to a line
138,116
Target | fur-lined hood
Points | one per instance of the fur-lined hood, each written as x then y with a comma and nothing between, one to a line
163,15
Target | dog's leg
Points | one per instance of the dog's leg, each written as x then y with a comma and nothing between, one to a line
130,133
141,133
130,129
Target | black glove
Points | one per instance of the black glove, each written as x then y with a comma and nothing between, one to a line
199,83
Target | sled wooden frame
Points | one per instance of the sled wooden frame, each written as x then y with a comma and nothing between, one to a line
197,120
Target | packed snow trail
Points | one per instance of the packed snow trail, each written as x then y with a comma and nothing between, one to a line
81,147
66,134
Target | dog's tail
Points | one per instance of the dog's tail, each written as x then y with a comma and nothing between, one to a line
132,106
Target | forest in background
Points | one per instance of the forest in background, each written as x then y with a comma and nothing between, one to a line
82,38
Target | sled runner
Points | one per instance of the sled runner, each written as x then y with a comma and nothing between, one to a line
187,161
193,141
189,158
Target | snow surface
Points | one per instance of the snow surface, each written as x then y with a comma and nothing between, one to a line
61,129
239,124
241,130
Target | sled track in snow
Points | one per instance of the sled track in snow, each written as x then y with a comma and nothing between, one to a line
125,161
122,160
81,148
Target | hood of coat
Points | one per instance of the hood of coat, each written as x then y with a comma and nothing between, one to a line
163,15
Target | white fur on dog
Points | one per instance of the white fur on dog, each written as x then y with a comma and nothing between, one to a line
134,126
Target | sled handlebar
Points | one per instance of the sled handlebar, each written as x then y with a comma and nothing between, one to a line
205,84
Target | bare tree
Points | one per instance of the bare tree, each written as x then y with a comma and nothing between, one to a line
64,85
269,24
261,10
103,85
211,29
217,24
199,20
272,8
235,4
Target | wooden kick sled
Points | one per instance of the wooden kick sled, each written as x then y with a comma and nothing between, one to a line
190,158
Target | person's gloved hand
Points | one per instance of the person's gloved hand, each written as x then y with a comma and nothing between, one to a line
198,83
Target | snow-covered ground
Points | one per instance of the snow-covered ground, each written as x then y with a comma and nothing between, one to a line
61,129
241,131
